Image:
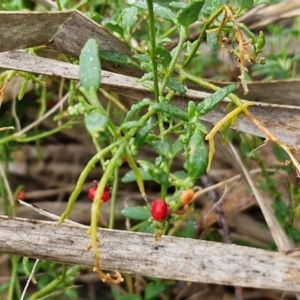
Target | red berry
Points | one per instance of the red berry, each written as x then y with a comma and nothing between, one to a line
105,196
159,209
21,195
92,192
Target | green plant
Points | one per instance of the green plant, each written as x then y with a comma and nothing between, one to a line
165,76
280,63
157,123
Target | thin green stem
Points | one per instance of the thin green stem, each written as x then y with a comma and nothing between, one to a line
55,284
169,32
59,6
201,82
129,283
43,101
98,148
153,48
172,128
113,200
137,173
246,30
202,35
96,206
37,137
13,278
5,203
82,179
182,39
109,170
72,89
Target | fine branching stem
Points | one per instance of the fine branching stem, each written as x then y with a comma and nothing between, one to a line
171,67
202,35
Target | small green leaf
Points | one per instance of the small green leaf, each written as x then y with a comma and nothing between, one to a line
171,110
141,136
176,147
281,211
114,28
259,45
188,231
142,4
159,10
145,77
129,18
192,109
201,127
197,156
89,66
153,289
212,41
157,174
245,4
131,124
140,213
142,58
163,56
136,108
209,103
115,57
280,154
70,293
190,13
130,176
146,227
176,86
245,149
95,17
95,122
177,5
162,147
294,234
163,12
23,88
181,174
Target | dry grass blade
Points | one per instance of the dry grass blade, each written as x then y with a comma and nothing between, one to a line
47,214
282,241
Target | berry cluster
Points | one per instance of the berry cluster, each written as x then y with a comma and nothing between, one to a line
160,210
105,195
